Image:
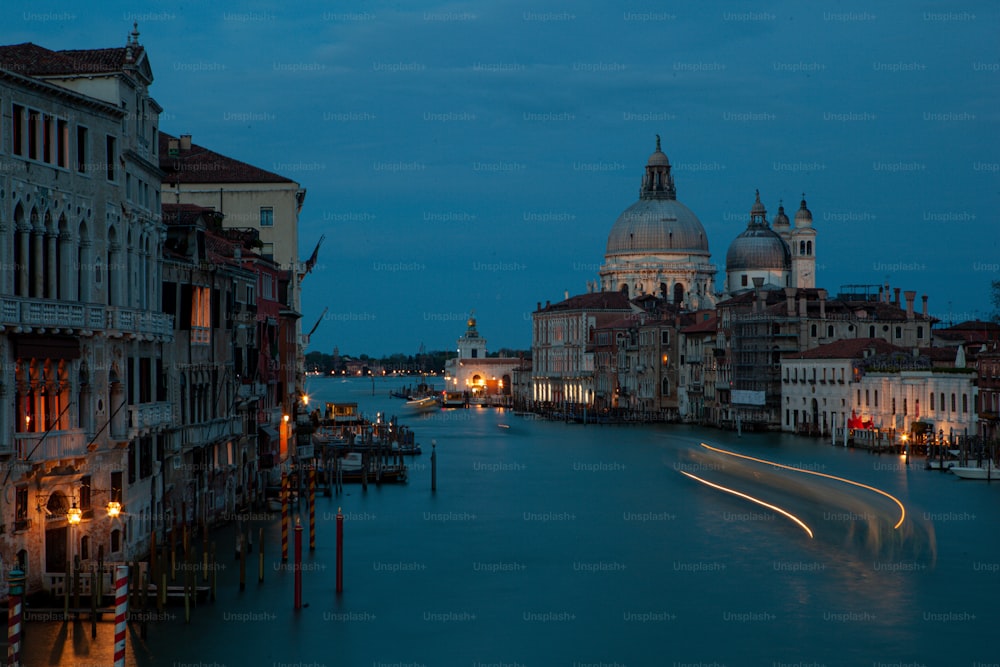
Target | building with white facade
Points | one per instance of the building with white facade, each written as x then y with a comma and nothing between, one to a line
474,372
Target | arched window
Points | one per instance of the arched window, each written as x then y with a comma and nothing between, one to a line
812,331
802,247
871,331
809,247
678,293
116,540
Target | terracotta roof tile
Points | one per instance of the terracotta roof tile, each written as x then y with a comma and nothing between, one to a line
852,348
33,60
591,301
201,165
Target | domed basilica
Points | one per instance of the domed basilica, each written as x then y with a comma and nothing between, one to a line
658,246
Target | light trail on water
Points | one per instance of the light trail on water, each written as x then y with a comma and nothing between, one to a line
902,509
753,500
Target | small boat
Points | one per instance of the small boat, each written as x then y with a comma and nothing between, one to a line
987,472
425,404
503,427
453,399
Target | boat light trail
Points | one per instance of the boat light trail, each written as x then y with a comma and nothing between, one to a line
751,499
902,510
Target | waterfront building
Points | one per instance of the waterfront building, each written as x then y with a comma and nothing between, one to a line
658,246
255,199
758,328
562,361
208,462
818,386
696,384
83,415
988,383
896,393
473,371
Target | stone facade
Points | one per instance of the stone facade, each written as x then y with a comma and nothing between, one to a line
83,410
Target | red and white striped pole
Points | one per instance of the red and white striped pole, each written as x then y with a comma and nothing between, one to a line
14,630
15,580
121,607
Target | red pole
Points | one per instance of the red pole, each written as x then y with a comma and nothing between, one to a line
284,517
298,563
312,510
14,630
121,606
340,551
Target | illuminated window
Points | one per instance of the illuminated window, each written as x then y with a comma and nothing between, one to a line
201,315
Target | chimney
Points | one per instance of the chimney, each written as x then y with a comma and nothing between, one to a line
822,303
886,292
896,299
547,303
173,147
924,299
790,300
185,142
565,295
538,305
910,296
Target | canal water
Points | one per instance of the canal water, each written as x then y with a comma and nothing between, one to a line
552,544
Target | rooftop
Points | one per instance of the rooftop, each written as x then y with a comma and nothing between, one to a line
198,164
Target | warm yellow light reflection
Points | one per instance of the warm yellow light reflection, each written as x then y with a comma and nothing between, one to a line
753,500
902,510
74,514
114,508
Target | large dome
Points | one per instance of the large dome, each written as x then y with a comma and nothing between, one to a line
758,248
657,226
657,223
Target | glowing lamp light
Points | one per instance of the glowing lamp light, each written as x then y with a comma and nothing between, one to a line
114,508
74,514
287,418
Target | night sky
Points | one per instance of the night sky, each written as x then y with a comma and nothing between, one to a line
466,156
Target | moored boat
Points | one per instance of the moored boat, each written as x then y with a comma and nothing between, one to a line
425,404
987,472
453,399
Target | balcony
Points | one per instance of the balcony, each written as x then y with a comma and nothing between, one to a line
54,314
147,417
17,311
196,435
140,322
57,445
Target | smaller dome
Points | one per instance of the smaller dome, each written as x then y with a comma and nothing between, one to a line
803,217
780,219
758,248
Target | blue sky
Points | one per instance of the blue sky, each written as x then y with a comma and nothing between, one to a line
463,156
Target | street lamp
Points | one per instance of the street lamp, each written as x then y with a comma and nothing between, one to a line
114,509
74,514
